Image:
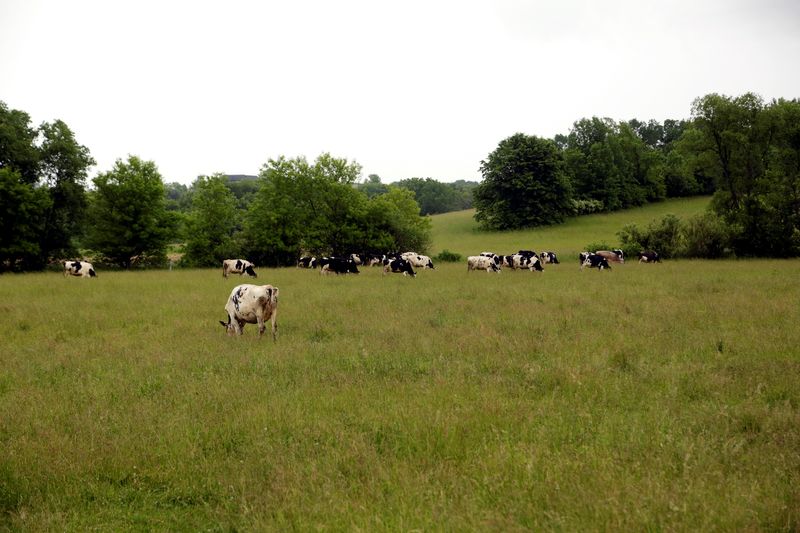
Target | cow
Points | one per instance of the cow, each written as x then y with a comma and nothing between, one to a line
481,262
399,266
614,256
79,268
499,260
649,256
238,266
252,304
374,260
339,265
518,261
418,261
549,257
582,256
596,261
307,261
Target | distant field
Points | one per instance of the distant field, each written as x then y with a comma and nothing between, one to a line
648,397
458,231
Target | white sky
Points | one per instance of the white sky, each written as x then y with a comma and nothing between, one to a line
407,89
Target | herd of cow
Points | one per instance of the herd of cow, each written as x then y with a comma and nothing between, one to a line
257,304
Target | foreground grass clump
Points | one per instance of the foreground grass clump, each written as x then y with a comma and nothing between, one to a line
648,397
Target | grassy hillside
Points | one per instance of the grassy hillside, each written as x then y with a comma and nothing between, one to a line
458,231
648,397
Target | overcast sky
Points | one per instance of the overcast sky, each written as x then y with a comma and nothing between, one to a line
407,89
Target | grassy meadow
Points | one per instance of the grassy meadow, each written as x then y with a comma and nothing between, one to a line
648,397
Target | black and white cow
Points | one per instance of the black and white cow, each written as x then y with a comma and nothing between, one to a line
519,261
582,256
79,268
252,304
238,266
399,265
595,261
307,261
499,260
482,262
338,265
649,256
549,257
417,260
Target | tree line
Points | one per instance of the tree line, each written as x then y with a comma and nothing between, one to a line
744,151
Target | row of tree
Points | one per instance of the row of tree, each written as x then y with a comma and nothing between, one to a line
745,151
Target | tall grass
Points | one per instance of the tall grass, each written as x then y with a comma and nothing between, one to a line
646,397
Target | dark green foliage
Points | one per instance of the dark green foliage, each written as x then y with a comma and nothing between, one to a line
753,152
703,236
314,208
446,256
129,223
372,186
22,221
18,144
594,246
524,185
211,223
436,197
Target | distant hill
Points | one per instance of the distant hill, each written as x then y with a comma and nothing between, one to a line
458,232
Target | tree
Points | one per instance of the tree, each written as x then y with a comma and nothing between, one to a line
395,223
524,184
128,218
211,222
751,149
64,166
18,144
432,196
21,220
372,186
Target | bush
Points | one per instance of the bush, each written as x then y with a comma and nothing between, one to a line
446,256
706,236
587,207
594,246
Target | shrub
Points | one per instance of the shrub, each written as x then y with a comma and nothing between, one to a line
706,236
594,246
446,256
587,207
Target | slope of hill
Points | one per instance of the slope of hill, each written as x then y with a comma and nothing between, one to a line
458,232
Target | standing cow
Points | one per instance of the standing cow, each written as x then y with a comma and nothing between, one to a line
238,266
649,256
399,265
596,261
79,268
252,304
482,262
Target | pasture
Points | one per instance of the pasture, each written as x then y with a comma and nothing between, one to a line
659,397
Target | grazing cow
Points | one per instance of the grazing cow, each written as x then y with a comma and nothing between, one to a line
252,304
498,259
398,266
531,262
549,257
596,261
79,268
649,256
238,266
307,261
481,262
418,261
339,265
614,256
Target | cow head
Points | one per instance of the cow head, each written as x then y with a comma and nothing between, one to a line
250,272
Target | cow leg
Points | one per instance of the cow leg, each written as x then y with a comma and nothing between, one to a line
274,326
261,326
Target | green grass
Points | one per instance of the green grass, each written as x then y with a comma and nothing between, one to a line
458,232
648,397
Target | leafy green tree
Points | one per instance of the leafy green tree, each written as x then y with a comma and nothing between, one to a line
64,166
211,223
18,144
127,212
751,149
372,186
524,184
432,196
396,223
22,208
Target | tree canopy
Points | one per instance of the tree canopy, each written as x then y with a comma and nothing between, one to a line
524,184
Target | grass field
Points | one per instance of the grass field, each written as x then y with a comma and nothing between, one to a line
648,397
